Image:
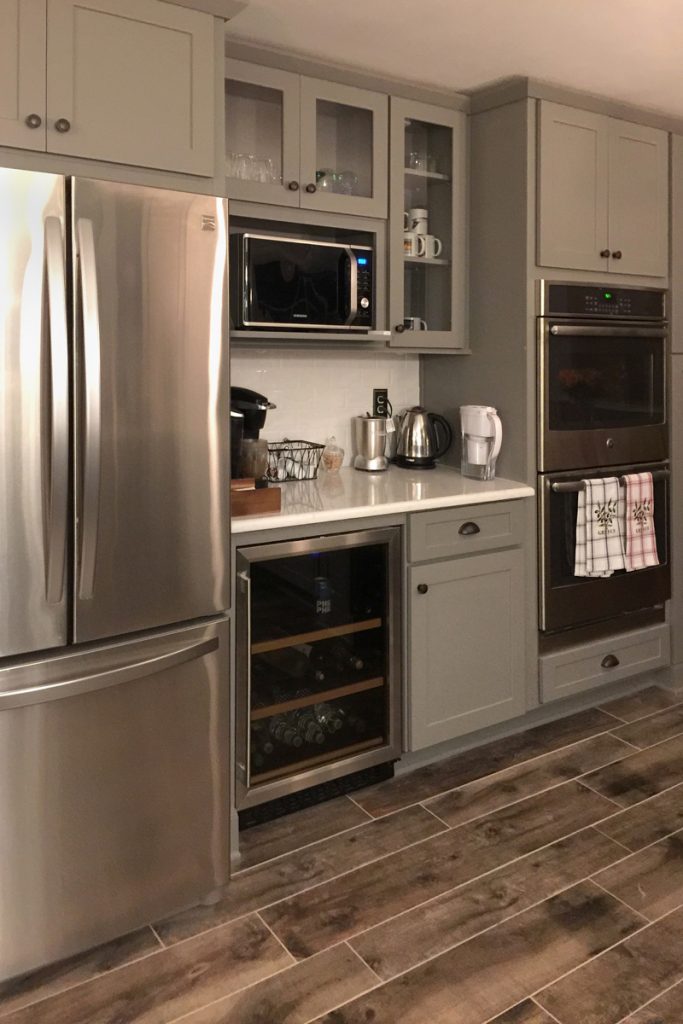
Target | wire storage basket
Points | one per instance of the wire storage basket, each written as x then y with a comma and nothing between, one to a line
293,460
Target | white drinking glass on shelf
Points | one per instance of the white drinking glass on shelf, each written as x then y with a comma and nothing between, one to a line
413,244
433,246
271,175
417,161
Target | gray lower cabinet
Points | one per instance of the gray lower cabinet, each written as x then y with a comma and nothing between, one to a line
467,658
587,666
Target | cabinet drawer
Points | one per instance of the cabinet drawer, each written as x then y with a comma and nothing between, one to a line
605,661
448,532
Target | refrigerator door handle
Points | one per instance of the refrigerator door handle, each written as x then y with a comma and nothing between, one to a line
90,497
57,489
102,680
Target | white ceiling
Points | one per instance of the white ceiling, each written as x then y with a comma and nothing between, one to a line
629,50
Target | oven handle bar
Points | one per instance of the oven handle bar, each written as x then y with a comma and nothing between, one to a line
571,486
599,331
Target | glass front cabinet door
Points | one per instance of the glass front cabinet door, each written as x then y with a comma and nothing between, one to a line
428,227
302,142
261,133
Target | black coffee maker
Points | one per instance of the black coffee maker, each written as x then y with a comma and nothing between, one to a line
248,411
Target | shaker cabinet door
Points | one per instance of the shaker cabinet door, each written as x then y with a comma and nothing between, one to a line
638,199
572,184
22,73
131,81
467,637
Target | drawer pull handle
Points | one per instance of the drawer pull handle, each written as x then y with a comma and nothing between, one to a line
469,529
610,661
422,588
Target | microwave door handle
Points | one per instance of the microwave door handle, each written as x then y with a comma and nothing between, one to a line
353,300
600,331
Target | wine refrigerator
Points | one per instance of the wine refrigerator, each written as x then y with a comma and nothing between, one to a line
318,661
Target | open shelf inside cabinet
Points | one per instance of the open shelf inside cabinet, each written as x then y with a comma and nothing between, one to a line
412,172
434,261
312,762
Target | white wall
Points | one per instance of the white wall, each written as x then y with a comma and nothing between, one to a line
318,392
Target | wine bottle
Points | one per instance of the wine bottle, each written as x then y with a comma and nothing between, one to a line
283,730
353,722
308,726
293,662
261,739
328,717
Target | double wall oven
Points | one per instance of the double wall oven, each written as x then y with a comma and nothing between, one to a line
602,412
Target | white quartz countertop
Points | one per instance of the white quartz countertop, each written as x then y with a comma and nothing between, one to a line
353,494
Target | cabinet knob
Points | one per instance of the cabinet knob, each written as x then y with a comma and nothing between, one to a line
616,255
604,253
610,661
293,186
469,529
311,187
400,328
33,121
62,125
422,588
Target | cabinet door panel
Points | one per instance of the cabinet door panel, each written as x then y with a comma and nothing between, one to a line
572,199
638,198
22,72
467,655
135,79
261,121
344,131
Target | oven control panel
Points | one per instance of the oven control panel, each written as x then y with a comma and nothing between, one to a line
603,302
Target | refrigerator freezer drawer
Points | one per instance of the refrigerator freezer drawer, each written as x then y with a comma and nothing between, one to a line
114,773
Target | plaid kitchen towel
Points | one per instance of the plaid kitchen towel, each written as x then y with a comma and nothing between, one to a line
599,543
641,540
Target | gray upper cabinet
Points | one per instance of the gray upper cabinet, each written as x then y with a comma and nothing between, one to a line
22,73
467,657
603,187
428,285
303,142
128,81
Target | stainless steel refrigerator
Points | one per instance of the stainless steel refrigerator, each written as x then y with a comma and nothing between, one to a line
114,560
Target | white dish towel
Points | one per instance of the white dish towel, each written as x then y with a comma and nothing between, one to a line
599,530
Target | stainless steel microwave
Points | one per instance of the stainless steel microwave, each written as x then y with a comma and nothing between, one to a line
302,284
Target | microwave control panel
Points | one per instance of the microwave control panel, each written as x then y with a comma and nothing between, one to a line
365,314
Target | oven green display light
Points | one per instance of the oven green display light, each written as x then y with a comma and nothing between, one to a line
607,295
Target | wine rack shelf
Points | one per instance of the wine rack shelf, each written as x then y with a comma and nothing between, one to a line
347,629
312,762
316,698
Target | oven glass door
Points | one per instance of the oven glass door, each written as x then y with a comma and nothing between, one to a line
604,389
297,284
568,600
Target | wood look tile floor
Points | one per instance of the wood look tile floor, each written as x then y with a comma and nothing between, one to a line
535,880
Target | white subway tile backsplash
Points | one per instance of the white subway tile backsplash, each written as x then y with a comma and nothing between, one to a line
317,393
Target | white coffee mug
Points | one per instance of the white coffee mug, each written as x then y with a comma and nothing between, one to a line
415,323
413,244
433,246
418,220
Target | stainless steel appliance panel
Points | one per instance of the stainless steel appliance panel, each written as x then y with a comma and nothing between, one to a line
121,815
33,412
152,408
568,601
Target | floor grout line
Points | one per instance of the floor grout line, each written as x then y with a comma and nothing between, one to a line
278,939
582,782
448,827
614,896
157,936
622,721
543,1010
622,845
362,960
633,746
366,813
659,995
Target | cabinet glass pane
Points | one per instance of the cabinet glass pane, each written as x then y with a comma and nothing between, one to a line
428,220
319,657
343,149
253,132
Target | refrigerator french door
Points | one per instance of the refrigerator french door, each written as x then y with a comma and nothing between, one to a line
114,540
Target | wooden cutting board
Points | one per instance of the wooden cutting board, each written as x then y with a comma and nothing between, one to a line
248,500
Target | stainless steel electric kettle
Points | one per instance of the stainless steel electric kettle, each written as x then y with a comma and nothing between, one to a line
418,438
